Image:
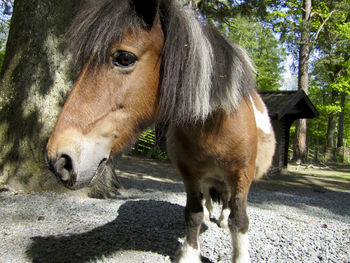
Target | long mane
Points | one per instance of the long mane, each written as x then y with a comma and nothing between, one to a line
201,72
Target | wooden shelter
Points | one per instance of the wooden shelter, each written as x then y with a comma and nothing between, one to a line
284,108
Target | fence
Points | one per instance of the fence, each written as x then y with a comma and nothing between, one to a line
318,154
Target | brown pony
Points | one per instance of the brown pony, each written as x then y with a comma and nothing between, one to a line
147,61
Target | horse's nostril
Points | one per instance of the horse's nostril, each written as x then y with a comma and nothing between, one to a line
68,162
64,167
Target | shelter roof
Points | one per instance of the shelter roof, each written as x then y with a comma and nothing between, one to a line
289,104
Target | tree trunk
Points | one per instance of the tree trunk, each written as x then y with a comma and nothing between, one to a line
330,137
34,81
300,151
341,121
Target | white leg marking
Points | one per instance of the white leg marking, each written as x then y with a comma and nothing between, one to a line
207,203
188,254
223,219
206,212
240,247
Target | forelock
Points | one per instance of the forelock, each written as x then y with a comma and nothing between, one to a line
98,25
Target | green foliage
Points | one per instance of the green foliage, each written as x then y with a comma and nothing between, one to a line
286,20
2,56
4,29
330,73
330,35
146,146
219,10
261,45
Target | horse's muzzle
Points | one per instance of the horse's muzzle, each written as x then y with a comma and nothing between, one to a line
75,158
62,167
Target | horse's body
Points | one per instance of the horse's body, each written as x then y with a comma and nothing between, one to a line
155,61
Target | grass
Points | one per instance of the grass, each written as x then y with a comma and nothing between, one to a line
341,173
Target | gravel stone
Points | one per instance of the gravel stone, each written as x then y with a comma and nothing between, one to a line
146,223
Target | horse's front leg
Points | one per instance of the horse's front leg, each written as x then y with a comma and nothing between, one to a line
238,220
189,252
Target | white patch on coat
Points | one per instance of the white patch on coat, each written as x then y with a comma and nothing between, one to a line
262,119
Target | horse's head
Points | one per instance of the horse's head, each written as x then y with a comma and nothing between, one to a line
142,60
115,95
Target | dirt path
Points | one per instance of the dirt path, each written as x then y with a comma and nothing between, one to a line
136,168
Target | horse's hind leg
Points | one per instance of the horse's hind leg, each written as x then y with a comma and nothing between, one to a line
207,203
225,212
189,252
238,220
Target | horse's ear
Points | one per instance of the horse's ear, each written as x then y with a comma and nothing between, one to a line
147,10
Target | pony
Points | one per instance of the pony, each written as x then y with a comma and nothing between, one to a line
153,61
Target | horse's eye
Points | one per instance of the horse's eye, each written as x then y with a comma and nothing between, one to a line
124,59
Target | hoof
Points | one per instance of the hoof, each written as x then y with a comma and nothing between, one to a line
223,220
187,254
223,225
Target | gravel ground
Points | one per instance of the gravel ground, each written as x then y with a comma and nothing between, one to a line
289,222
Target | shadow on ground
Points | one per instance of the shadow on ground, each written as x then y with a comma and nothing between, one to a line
146,225
300,191
152,226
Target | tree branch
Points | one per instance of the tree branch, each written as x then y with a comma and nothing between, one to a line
324,22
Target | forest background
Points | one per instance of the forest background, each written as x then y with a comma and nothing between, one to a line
293,44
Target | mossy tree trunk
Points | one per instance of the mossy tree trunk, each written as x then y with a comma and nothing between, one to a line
35,79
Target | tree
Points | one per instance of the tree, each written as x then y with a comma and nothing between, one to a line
292,20
236,21
219,10
300,27
261,45
299,149
35,78
331,71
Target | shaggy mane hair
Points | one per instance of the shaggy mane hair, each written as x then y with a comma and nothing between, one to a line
201,71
